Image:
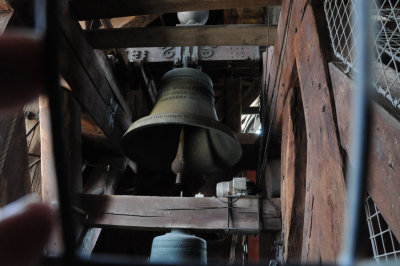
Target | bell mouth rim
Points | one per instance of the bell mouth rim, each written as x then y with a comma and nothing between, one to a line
190,120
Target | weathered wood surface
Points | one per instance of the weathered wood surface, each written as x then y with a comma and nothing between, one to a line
282,74
91,9
162,213
260,35
6,12
326,192
49,179
293,179
14,172
383,178
72,116
92,81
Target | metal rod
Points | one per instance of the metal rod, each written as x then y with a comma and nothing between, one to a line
358,170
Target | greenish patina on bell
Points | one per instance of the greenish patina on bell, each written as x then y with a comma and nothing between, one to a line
178,247
186,99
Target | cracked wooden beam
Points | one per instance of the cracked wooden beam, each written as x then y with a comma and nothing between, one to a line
164,213
325,183
215,35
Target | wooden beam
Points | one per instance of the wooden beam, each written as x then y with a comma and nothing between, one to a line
14,173
383,182
259,35
92,80
93,9
163,213
71,110
293,176
282,74
326,190
6,12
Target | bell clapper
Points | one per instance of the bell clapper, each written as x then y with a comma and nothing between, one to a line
178,165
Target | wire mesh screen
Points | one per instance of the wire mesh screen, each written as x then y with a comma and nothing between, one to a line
385,246
339,14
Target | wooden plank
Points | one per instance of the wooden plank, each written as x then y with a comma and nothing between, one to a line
293,179
14,173
162,213
93,9
259,35
383,182
6,12
325,197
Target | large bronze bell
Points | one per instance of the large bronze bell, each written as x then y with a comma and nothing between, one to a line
186,101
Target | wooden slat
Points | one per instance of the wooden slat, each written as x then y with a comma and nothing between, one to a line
326,193
92,9
162,213
383,178
293,179
259,35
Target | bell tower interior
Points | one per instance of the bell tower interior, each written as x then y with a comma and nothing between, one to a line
201,132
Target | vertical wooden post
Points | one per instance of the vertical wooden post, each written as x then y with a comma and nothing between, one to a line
326,191
14,172
73,138
293,179
234,104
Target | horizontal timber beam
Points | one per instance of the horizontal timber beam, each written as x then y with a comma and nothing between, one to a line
163,213
95,9
259,35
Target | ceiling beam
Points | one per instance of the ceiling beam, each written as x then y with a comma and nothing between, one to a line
259,35
95,9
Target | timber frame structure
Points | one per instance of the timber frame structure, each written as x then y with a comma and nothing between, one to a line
112,56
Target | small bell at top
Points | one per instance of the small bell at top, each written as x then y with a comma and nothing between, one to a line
186,99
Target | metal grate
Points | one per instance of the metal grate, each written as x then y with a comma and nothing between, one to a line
385,246
339,14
